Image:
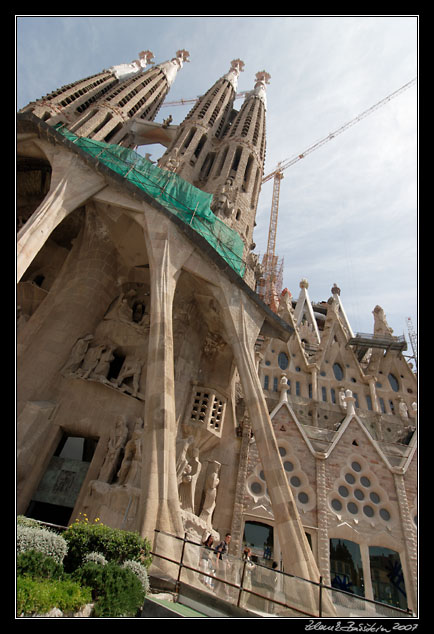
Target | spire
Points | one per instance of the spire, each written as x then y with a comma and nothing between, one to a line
171,67
237,66
125,71
262,79
303,310
336,293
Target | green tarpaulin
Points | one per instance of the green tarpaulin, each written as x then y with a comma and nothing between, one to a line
189,203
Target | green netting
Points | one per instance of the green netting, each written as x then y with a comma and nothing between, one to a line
189,203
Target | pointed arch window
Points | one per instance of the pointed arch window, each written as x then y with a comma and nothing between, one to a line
338,371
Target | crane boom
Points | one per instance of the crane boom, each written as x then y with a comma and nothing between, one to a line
182,102
282,165
269,261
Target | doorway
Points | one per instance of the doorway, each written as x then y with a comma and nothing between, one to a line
55,497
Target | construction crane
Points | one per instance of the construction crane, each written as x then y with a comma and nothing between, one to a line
182,102
269,262
413,338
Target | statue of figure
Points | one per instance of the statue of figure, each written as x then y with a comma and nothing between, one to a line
131,367
103,366
77,355
189,478
211,484
381,327
90,360
223,203
173,161
403,410
116,441
129,473
342,400
182,446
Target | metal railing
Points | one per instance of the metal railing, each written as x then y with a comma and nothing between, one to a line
258,588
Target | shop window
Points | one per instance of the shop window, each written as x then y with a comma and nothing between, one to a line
387,577
346,566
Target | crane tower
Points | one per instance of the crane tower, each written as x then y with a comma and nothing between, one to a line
270,261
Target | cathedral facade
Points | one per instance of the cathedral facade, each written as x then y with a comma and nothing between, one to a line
155,388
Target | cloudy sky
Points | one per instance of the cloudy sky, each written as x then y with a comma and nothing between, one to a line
348,212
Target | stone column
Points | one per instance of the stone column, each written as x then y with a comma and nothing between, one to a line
322,513
159,503
72,183
410,540
242,322
240,490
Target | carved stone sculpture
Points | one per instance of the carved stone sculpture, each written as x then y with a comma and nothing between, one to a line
129,473
189,478
77,355
115,444
91,360
211,484
132,367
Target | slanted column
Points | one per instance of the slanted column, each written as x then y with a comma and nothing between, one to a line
243,322
159,502
72,184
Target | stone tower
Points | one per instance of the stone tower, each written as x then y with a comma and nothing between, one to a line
103,106
222,151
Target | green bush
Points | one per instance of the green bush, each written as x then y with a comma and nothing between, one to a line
96,558
116,591
41,540
36,596
140,571
114,544
38,566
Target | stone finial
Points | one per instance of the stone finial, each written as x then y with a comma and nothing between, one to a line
183,55
304,283
283,388
237,65
335,290
350,401
146,57
262,77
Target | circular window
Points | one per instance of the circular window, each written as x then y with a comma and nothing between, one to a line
365,481
350,478
385,515
262,476
338,372
343,491
359,494
352,508
288,466
374,497
368,511
295,481
256,488
283,361
356,466
282,451
303,498
336,505
393,382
